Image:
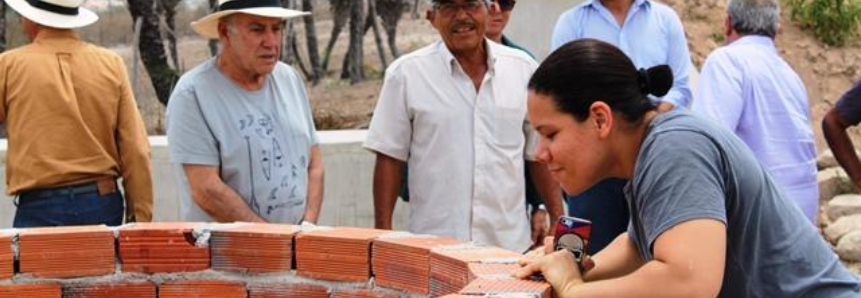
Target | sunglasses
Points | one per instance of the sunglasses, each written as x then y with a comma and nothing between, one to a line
505,5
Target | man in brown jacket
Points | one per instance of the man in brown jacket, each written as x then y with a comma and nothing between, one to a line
72,123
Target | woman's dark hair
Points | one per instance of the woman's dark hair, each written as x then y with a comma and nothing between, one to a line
584,71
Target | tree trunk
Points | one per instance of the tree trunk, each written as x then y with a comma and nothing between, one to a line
152,51
2,26
372,16
390,12
311,40
416,14
340,15
356,52
168,11
213,43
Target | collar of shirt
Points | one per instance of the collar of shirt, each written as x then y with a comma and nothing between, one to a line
637,6
450,60
48,33
759,40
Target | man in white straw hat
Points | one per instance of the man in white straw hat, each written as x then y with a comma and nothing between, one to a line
73,125
240,127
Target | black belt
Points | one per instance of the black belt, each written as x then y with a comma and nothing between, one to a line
83,188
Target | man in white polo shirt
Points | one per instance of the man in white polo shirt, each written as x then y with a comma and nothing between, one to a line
455,111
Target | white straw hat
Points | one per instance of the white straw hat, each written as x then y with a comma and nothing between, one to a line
64,14
208,25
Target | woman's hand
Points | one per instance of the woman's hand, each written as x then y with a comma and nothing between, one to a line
559,269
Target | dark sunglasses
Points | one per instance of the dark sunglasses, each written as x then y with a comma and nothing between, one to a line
505,5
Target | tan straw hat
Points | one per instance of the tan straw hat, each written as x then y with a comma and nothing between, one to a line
208,25
65,14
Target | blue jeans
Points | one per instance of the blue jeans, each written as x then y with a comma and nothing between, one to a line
67,208
604,204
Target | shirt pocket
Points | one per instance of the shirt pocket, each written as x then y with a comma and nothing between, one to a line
508,126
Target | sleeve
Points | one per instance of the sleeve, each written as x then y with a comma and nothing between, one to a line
4,77
134,149
678,179
848,107
564,30
679,60
390,131
306,104
719,93
531,136
190,138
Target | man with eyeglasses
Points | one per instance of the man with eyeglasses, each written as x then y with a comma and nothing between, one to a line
455,112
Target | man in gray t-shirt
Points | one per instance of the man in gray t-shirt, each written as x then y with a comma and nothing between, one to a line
240,129
689,169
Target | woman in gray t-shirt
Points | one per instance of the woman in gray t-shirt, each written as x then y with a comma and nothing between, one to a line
706,219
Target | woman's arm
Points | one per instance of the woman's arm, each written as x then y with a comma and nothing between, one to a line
689,263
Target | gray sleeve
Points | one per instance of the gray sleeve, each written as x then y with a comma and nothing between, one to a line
678,179
849,105
190,139
305,102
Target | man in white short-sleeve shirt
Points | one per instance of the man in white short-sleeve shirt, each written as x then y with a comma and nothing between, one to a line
455,111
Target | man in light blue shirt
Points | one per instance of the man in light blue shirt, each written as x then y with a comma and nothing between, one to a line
747,87
651,34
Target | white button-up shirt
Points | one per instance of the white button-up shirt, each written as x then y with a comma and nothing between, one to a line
749,89
465,149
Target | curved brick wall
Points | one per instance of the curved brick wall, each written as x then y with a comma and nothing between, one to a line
250,260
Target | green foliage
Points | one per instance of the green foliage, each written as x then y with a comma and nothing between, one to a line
834,22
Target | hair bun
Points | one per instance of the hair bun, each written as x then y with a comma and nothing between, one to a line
656,81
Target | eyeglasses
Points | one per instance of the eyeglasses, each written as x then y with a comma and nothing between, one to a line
451,8
505,5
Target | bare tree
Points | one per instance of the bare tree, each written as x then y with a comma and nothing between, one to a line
167,9
311,41
340,16
355,54
372,18
390,12
152,51
213,43
416,14
2,26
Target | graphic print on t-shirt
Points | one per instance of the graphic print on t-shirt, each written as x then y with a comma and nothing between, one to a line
276,182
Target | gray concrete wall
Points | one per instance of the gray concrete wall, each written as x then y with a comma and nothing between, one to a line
347,200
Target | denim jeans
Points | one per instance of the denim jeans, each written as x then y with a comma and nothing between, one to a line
604,204
46,208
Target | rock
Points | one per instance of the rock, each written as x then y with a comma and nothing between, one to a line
826,160
845,225
849,247
832,182
843,205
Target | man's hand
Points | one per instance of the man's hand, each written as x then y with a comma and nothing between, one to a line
540,228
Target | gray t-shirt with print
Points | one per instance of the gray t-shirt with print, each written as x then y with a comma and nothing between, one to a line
689,168
260,140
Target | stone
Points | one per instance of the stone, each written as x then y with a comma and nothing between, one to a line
826,160
832,182
841,227
842,205
849,247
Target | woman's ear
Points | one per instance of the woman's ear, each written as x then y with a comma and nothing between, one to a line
601,116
